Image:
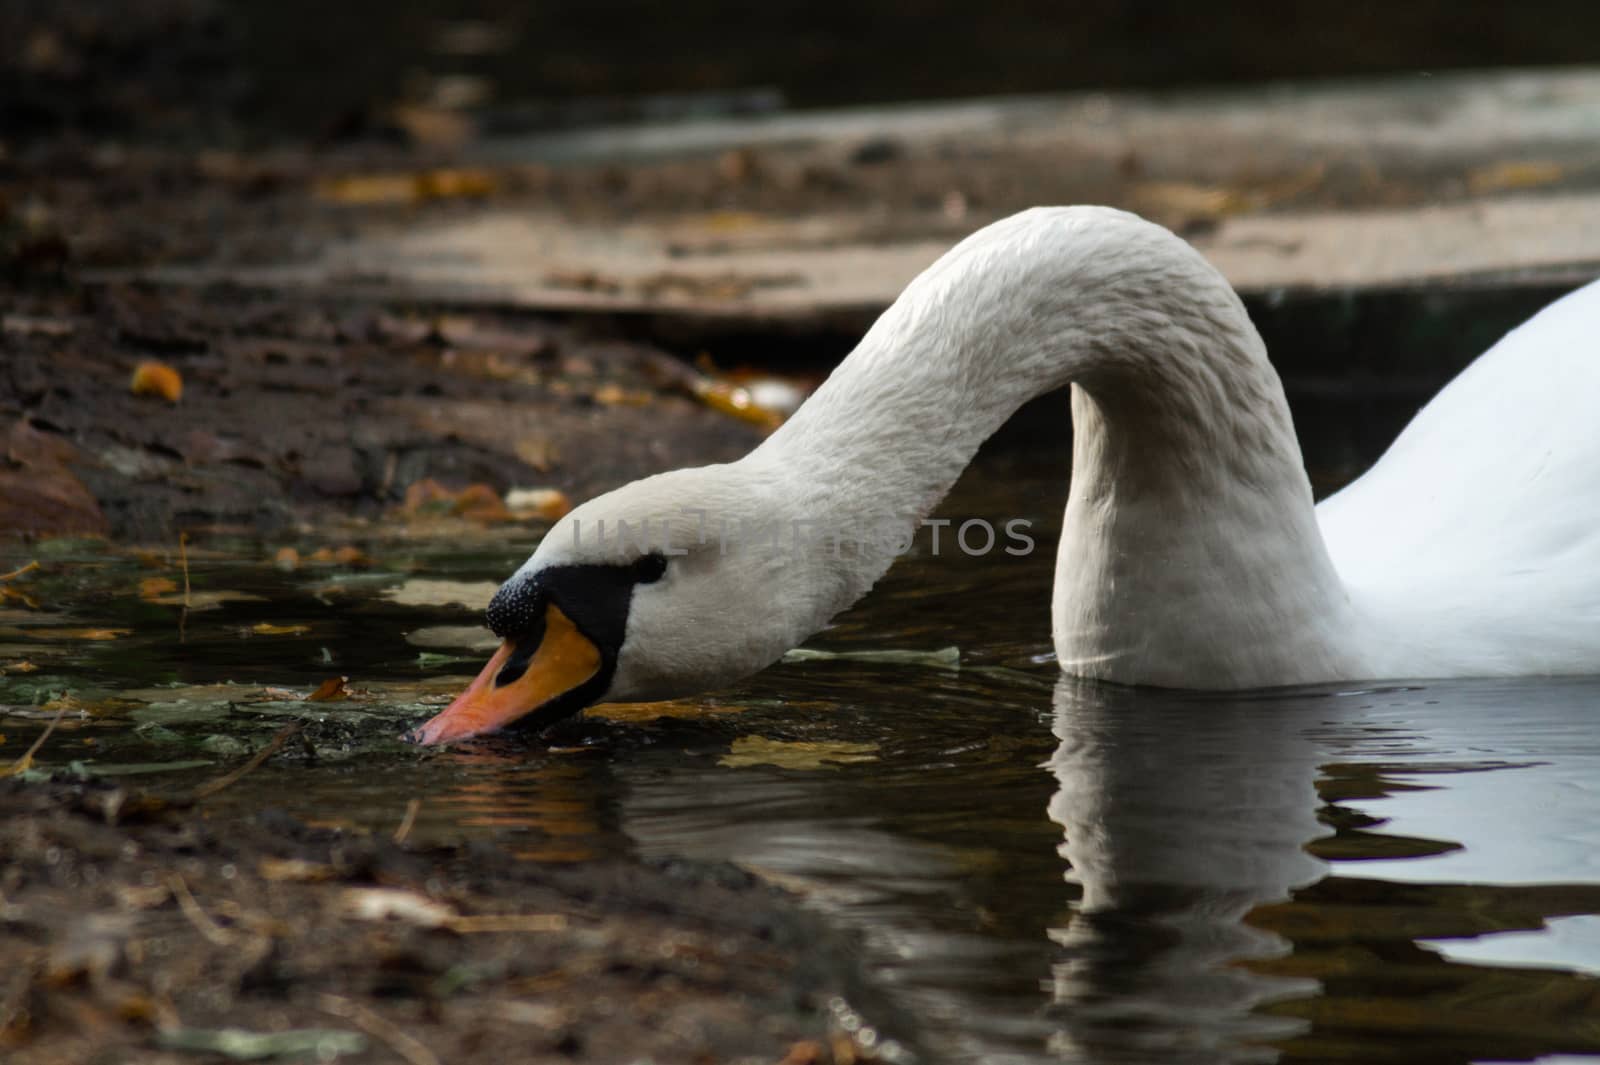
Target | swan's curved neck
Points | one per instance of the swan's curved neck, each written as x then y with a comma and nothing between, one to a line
1190,546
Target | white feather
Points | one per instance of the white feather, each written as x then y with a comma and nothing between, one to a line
1192,555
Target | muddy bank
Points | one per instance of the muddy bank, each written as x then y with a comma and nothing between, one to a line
295,412
135,930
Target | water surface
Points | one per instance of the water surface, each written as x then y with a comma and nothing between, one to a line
1041,870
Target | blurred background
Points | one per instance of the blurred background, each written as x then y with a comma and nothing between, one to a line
658,226
297,67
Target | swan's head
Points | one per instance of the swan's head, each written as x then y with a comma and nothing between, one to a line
655,590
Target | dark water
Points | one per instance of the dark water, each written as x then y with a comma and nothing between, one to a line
1040,869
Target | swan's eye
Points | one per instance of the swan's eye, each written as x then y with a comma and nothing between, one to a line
649,569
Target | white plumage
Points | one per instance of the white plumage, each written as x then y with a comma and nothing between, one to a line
1192,555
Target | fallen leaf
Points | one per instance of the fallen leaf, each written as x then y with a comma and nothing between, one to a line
206,600
805,1052
537,451
1514,174
395,904
267,628
227,746
611,395
474,595
457,184
1187,201
152,587
134,1008
364,190
408,907
479,502
296,870
433,660
737,401
66,634
583,281
286,559
799,754
17,595
343,556
19,667
731,221
361,190
427,494
76,707
546,504
318,1044
331,690
151,378
643,712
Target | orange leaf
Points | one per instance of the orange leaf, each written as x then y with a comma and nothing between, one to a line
426,493
12,595
479,502
364,190
75,634
736,401
548,504
151,378
151,587
267,628
329,691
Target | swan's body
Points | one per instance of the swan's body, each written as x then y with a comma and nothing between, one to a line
1191,553
1473,546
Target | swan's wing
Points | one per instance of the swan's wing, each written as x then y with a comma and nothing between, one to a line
1489,502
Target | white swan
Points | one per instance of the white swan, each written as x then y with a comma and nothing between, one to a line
1191,554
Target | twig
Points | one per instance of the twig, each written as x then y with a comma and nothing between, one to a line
29,568
410,818
26,761
205,791
183,560
507,922
390,463
376,1026
198,917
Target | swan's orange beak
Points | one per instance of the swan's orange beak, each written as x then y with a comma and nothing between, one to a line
517,681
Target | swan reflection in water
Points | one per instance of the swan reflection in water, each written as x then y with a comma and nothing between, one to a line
1135,899
1179,820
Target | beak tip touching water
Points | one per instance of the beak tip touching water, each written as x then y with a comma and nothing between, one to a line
421,736
563,661
434,731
